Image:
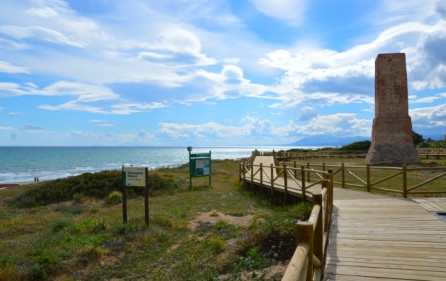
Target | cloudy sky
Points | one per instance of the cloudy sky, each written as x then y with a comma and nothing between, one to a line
211,72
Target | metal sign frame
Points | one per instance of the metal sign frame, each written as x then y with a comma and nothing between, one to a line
200,165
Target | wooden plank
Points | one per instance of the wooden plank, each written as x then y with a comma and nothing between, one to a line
385,239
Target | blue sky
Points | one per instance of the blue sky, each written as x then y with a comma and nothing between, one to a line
211,72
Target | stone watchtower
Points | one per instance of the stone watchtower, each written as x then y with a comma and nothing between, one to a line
392,140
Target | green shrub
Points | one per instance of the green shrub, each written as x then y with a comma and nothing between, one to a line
359,145
215,244
44,263
61,224
114,198
9,273
274,235
161,183
97,185
79,198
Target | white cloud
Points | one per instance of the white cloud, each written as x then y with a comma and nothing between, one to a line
85,92
12,45
7,89
290,11
425,100
44,12
175,45
7,67
209,129
346,124
429,117
73,106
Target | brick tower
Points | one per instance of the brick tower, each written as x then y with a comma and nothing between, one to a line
392,141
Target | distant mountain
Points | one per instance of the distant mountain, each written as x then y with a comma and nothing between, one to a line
327,141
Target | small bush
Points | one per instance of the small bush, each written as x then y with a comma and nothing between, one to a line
100,225
114,198
254,260
91,254
97,185
215,244
79,198
61,224
9,273
44,263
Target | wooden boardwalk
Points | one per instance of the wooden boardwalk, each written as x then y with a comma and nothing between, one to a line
374,237
386,239
264,176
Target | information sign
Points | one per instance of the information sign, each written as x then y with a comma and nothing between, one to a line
199,165
134,176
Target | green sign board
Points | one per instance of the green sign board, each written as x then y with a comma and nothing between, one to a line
199,165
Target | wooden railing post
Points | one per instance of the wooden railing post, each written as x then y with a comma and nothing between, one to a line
272,180
308,172
244,172
295,169
368,177
343,174
330,198
285,181
305,234
404,180
302,174
252,175
261,176
323,166
318,243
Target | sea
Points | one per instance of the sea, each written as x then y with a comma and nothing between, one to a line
24,164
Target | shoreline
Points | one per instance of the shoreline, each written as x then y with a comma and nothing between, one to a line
15,184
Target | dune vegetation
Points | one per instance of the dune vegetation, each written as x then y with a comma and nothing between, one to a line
72,229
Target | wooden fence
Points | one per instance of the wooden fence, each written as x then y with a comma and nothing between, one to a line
290,180
308,261
403,180
312,154
312,236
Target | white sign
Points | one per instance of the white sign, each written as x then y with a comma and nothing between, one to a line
202,167
134,176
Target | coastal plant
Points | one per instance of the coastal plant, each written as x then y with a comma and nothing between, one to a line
10,273
215,244
254,260
61,224
91,253
43,265
98,185
274,235
100,225
114,198
162,183
79,198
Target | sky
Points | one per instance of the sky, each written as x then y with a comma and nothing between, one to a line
211,72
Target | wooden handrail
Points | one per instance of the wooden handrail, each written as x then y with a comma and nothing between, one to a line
308,260
404,172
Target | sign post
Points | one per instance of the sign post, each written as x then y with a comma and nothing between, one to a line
135,176
199,165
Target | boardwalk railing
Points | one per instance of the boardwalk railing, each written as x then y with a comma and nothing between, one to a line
311,154
294,180
308,261
402,180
